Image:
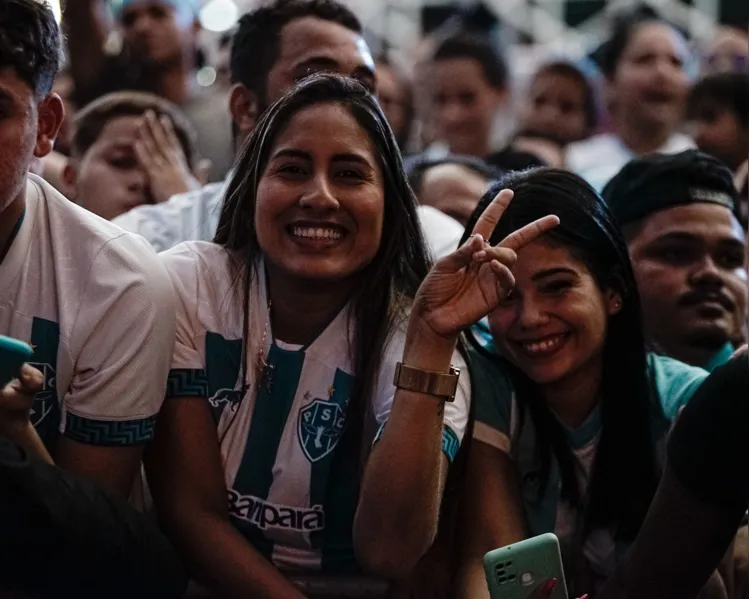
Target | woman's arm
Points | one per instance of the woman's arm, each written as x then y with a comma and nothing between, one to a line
186,477
492,515
398,511
701,498
397,515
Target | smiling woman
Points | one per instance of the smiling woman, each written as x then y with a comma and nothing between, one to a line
574,405
315,373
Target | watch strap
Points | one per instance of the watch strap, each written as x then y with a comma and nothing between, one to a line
440,384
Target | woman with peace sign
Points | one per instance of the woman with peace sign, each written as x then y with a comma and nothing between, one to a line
315,377
571,410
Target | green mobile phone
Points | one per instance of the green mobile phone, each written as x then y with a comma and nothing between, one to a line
13,355
513,572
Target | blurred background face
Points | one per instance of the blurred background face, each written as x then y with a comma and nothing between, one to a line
650,84
729,51
156,33
393,97
555,107
463,105
718,131
110,181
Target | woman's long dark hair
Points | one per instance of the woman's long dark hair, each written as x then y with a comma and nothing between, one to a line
401,263
624,473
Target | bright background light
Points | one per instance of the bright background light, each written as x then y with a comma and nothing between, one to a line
219,15
55,6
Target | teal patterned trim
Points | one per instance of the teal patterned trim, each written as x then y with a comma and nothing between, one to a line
450,443
187,382
109,432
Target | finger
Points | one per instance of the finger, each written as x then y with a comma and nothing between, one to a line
144,157
742,350
175,147
506,256
463,256
489,218
31,379
505,280
159,136
145,136
202,171
530,232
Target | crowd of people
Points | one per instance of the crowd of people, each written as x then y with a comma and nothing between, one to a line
312,332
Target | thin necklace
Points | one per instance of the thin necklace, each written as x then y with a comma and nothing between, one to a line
263,369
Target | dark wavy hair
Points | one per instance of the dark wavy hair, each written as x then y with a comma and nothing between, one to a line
30,43
624,475
380,300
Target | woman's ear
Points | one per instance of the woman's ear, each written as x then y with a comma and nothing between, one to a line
50,116
614,302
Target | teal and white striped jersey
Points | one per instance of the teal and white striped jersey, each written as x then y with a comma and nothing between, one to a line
499,423
291,483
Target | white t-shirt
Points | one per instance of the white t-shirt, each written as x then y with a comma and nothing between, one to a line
97,306
193,216
599,158
292,488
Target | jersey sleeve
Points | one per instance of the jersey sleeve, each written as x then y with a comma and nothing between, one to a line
456,412
187,375
494,396
120,342
675,382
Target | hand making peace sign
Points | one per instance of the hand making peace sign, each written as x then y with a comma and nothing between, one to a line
468,284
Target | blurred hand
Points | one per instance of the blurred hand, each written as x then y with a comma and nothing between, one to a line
17,398
160,154
468,284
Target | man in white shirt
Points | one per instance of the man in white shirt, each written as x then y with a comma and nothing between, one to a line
94,302
273,48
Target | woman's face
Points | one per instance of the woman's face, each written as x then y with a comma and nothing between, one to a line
650,83
554,323
320,201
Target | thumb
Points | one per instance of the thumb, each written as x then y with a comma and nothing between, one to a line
463,256
202,170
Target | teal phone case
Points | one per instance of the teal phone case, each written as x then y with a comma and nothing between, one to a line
13,354
513,572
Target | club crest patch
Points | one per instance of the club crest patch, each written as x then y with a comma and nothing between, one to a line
321,424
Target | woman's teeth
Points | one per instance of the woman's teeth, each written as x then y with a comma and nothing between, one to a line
543,346
316,233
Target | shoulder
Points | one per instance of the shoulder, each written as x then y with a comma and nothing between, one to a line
442,233
579,153
674,382
167,224
678,142
89,239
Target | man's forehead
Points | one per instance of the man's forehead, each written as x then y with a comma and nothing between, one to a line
703,220
310,37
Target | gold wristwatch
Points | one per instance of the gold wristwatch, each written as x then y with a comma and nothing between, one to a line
441,384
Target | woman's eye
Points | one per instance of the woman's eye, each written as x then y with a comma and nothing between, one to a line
556,287
290,170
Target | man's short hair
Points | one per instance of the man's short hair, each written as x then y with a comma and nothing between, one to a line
90,122
724,90
255,46
30,43
474,47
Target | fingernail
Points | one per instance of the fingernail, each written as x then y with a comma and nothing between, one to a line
479,236
585,596
550,586
480,255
